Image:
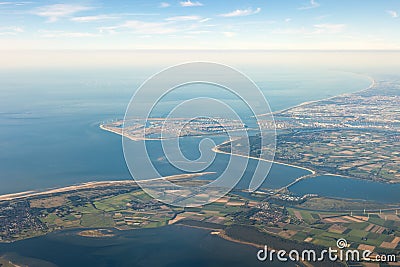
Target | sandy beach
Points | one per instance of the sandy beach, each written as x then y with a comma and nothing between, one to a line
91,185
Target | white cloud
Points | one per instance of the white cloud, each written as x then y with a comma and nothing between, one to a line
199,32
93,18
15,3
229,34
205,20
241,12
10,30
149,27
142,27
329,28
190,3
321,17
317,29
393,13
171,25
57,11
301,30
312,4
164,5
184,18
57,34
288,20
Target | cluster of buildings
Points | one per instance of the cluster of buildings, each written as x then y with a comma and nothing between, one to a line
16,219
294,199
268,214
376,108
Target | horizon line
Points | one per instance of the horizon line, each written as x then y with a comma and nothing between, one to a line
201,50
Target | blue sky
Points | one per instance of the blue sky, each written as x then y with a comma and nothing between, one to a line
203,24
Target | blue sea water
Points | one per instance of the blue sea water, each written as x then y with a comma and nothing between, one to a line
49,137
339,187
49,119
166,246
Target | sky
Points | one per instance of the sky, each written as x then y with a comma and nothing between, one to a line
202,24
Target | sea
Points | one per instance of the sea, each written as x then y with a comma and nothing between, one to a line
49,119
50,137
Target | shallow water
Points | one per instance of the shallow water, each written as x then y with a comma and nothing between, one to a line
166,246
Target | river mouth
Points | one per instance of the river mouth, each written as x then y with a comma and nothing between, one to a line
282,175
348,188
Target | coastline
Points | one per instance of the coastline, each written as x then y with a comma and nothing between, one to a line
315,172
105,128
87,185
221,233
26,194
217,150
312,172
373,83
4,260
92,185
